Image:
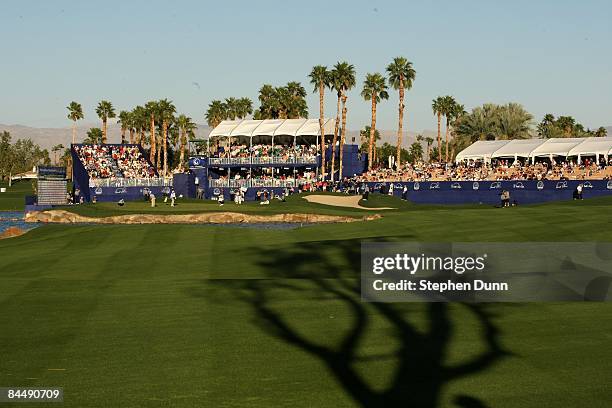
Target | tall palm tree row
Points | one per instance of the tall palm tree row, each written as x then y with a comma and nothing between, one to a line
374,89
186,128
449,106
140,121
401,77
105,111
336,85
320,79
231,109
124,120
151,108
166,111
75,112
347,82
437,106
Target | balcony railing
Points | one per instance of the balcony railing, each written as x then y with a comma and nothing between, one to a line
131,182
263,160
254,182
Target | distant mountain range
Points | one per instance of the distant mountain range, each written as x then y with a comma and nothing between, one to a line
49,137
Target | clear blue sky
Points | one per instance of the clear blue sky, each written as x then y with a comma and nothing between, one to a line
551,56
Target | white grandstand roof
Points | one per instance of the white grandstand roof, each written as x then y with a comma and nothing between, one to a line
272,127
577,146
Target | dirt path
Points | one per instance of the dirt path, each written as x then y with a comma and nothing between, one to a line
341,201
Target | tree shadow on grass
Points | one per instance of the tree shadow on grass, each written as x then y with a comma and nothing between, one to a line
327,270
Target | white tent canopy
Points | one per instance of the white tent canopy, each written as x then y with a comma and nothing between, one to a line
272,127
593,146
532,148
481,150
518,148
557,146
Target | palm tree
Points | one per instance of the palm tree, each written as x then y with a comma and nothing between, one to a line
401,77
320,79
416,151
56,149
347,79
94,136
75,112
151,108
124,120
166,113
231,108
364,136
438,110
601,132
513,122
244,107
449,106
186,127
140,121
374,89
336,85
294,100
429,141
566,123
105,111
216,113
342,78
269,103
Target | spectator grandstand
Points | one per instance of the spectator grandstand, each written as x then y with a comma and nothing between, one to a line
496,170
114,162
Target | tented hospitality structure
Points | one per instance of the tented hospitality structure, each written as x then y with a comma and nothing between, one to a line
272,127
480,150
531,148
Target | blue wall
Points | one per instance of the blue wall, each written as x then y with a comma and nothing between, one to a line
488,192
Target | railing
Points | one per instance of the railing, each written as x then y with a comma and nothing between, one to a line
255,182
131,182
263,160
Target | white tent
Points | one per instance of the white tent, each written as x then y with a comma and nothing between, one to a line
272,127
556,147
480,150
532,148
593,146
518,148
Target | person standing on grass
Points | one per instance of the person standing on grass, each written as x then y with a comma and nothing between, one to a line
152,198
172,198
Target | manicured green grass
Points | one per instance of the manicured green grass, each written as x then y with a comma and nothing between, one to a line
14,197
205,316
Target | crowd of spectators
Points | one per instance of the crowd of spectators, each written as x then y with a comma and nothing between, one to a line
132,163
285,152
114,162
497,170
98,161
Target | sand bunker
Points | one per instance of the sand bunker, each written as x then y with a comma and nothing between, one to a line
66,217
341,201
11,232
